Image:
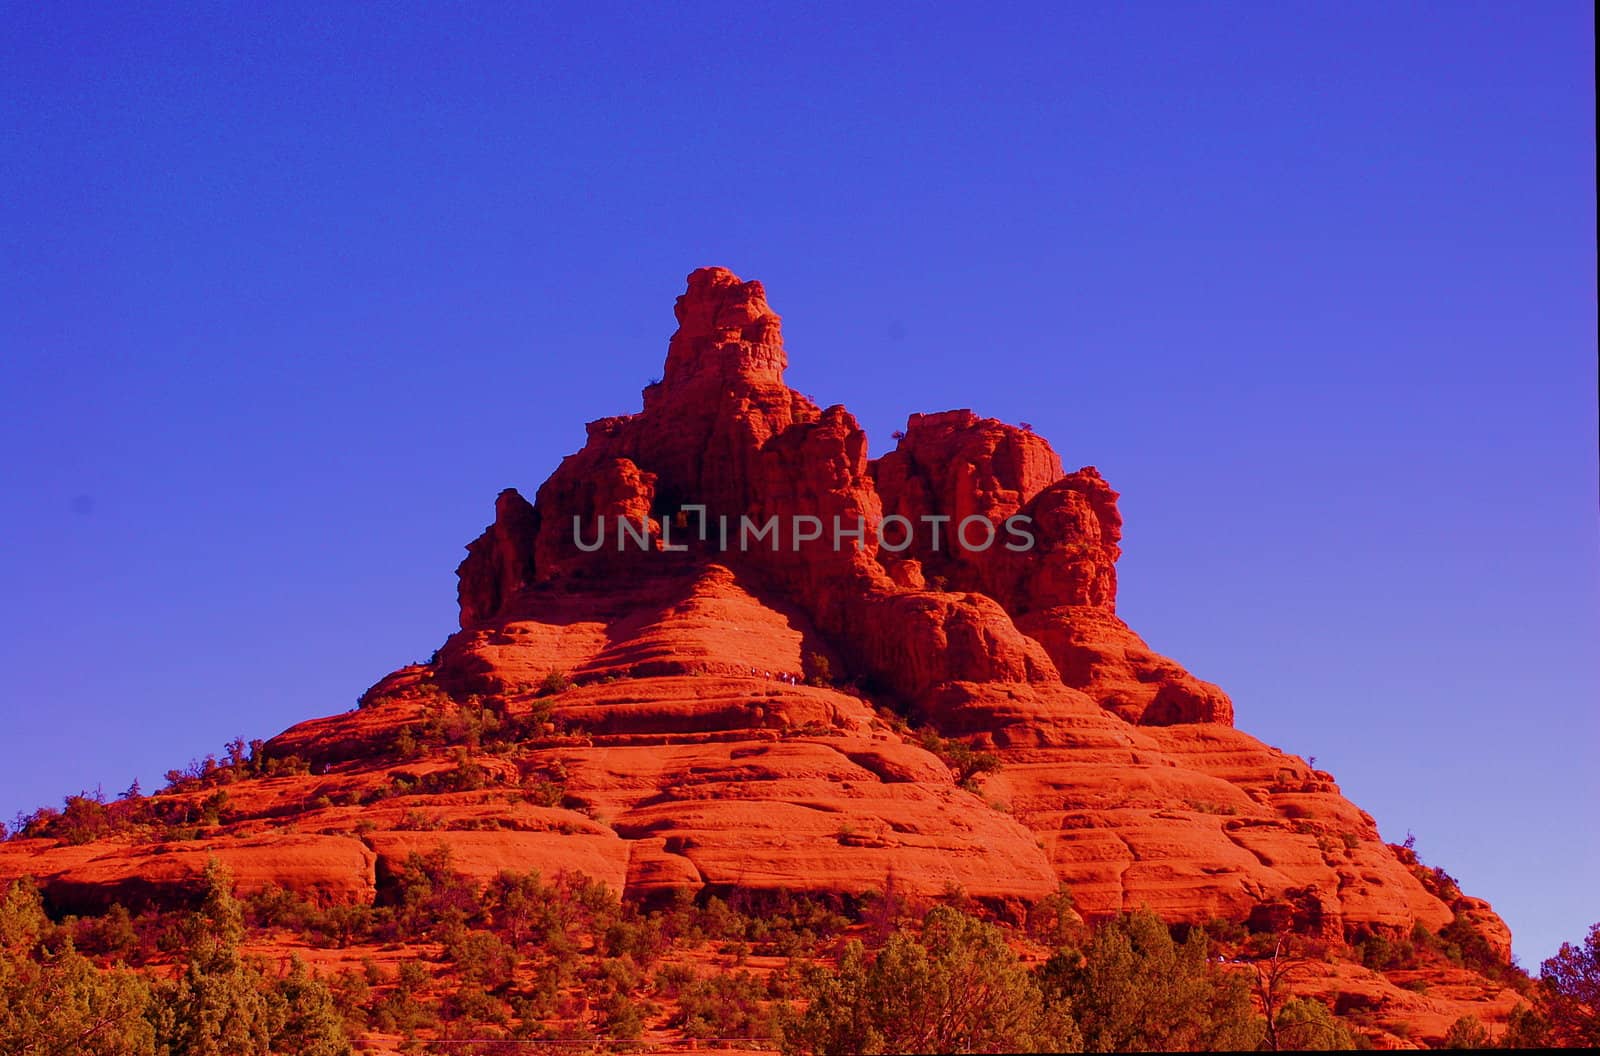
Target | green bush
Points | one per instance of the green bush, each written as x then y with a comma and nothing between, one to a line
967,762
818,669
481,957
1526,1028
62,1003
402,1009
1305,1024
554,682
1133,965
1466,1033
1571,984
955,986
1382,954
54,1000
725,1005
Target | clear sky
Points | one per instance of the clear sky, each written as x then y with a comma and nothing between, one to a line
286,298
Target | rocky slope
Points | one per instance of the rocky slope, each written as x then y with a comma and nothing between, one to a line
698,715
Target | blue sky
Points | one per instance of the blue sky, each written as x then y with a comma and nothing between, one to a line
287,297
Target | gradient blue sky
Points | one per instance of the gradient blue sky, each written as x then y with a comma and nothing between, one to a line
286,298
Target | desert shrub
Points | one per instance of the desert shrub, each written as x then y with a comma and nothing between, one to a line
402,1010
798,935
540,1000
406,745
617,979
966,762
467,723
1462,942
213,806
351,991
24,927
1468,1032
415,820
467,775
1526,1028
786,923
1459,942
539,712
558,918
622,1016
35,825
1571,983
819,671
241,759
619,973
61,1003
481,957
218,1004
1306,1024
953,986
587,902
1227,932
304,1016
542,792
672,978
725,1005
1131,965
343,924
285,766
427,898
554,682
84,818
278,907
718,920
111,935
641,939
519,906
1381,953
1054,920
225,1003
471,1004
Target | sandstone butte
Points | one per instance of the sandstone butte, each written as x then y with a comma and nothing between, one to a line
680,761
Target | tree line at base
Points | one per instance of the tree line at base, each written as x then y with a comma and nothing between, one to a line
526,959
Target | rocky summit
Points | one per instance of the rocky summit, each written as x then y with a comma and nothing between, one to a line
642,694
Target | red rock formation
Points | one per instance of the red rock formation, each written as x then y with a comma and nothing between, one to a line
499,562
687,753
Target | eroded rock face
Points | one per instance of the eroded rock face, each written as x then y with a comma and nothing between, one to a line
689,752
955,594
499,562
